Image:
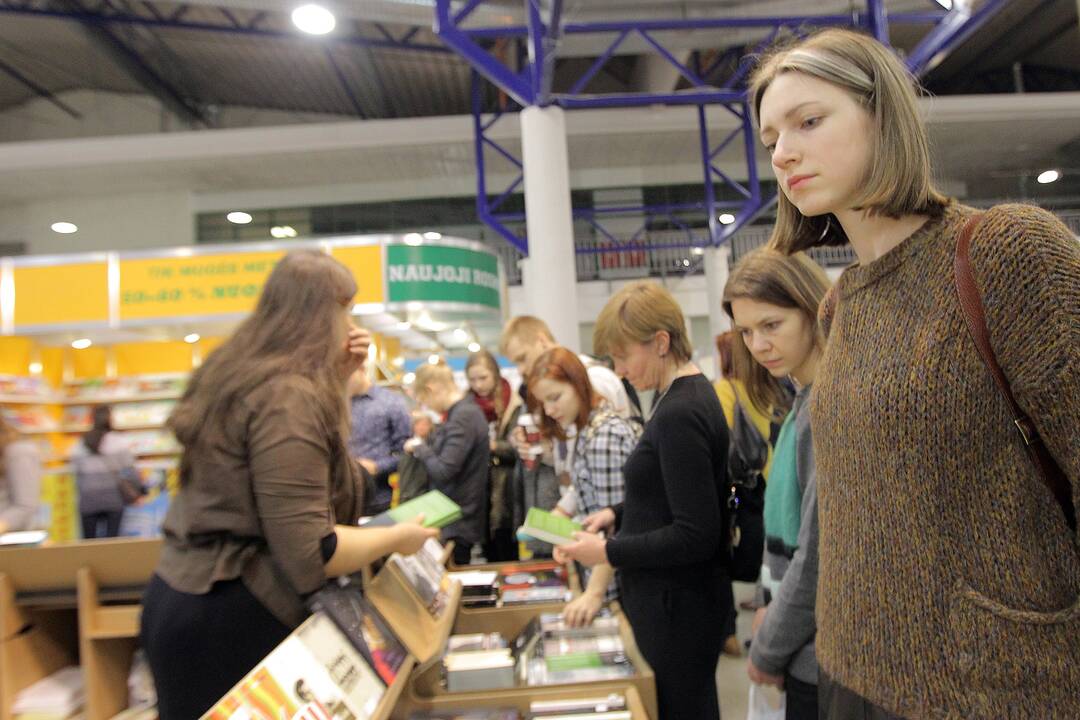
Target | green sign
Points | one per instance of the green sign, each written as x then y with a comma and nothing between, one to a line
441,274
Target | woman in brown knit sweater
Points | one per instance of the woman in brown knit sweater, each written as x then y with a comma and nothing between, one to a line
949,577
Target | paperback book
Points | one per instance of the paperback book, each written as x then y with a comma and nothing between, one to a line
437,509
548,527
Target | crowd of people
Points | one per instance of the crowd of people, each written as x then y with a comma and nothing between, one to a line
914,560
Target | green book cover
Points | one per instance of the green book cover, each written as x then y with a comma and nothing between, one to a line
574,661
439,510
548,527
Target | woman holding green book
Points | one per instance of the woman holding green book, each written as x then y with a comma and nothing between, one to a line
563,397
671,550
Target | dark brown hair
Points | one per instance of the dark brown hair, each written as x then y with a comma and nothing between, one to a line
298,328
898,179
561,365
788,281
723,348
102,424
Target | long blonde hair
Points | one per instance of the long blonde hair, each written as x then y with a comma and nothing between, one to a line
898,180
788,281
298,327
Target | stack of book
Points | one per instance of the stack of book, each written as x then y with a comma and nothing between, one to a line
57,697
481,661
533,582
550,653
479,588
428,579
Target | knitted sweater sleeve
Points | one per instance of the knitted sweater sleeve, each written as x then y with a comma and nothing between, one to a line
1027,267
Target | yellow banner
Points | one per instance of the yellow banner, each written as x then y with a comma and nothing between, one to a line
67,294
365,263
197,285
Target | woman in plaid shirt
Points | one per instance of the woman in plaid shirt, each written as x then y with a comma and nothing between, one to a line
561,395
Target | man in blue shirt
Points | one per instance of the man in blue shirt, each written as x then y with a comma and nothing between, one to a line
380,427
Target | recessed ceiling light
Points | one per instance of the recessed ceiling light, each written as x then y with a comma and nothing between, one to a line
460,335
432,236
238,217
82,344
474,347
192,338
313,19
408,378
283,231
686,262
36,368
727,219
698,251
433,359
398,361
1048,176
64,228
414,239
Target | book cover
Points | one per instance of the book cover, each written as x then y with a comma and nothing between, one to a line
315,674
548,527
438,510
365,627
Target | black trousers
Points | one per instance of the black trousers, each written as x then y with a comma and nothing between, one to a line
680,631
462,551
802,699
502,547
836,702
92,524
199,646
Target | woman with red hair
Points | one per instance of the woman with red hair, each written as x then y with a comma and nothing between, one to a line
561,395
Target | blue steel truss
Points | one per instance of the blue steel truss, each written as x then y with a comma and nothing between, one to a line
531,84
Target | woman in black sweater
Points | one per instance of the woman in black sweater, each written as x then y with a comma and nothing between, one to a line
671,549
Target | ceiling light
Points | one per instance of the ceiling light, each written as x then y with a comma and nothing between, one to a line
283,231
1048,176
474,347
398,361
82,344
727,219
313,19
698,251
408,378
414,239
36,368
686,262
460,335
192,338
947,4
433,359
64,228
432,236
403,325
239,218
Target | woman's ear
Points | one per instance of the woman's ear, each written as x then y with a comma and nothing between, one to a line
663,342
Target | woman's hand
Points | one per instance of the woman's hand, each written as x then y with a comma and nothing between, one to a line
589,550
358,345
412,535
760,677
599,520
581,611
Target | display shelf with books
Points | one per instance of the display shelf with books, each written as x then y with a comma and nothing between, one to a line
402,592
538,576
617,702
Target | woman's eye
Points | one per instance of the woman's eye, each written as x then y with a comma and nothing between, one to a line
811,122
771,326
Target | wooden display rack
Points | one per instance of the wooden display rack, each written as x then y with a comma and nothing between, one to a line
521,700
53,613
423,635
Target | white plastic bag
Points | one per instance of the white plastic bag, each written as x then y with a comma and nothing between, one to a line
765,703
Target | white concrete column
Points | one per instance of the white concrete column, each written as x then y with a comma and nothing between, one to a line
716,277
549,276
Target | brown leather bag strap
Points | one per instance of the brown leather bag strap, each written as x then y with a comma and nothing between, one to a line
971,304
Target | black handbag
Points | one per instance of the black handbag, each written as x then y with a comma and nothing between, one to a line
747,455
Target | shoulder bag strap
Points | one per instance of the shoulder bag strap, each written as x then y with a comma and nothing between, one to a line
971,304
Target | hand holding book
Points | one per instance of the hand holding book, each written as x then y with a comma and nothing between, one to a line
589,549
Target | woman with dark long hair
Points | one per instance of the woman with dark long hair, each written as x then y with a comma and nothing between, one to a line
269,496
102,465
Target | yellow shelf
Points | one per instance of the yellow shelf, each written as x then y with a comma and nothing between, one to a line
121,621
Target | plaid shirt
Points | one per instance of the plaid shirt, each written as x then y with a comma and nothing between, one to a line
600,452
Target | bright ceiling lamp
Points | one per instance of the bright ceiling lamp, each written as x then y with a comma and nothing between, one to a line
727,219
433,359
1048,176
461,335
281,232
239,218
313,19
947,4
432,236
414,239
474,347
81,344
64,228
192,338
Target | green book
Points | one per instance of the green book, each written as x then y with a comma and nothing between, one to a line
548,527
574,661
438,510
